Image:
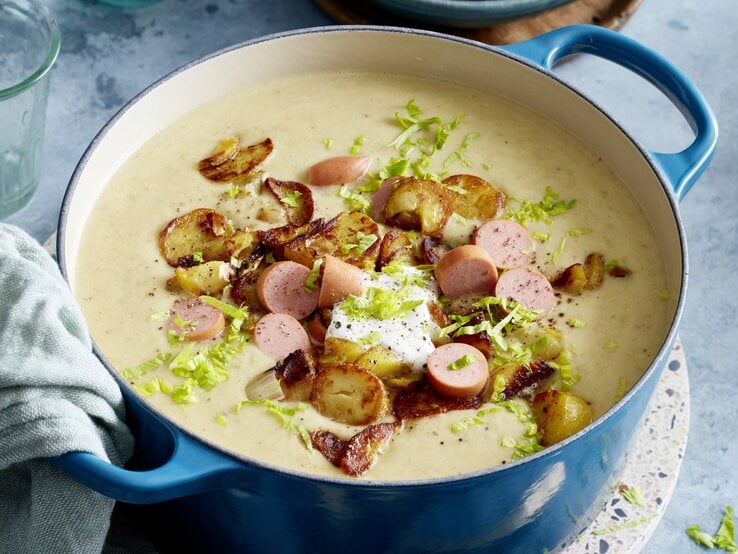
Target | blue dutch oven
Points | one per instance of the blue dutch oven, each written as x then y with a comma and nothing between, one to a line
220,499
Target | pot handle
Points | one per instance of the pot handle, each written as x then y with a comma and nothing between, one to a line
681,168
191,468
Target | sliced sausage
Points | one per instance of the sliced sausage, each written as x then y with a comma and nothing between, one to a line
278,335
340,280
464,270
317,327
380,196
457,370
527,287
195,319
281,288
507,242
339,170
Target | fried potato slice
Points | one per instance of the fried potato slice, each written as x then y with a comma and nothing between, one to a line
419,204
242,245
480,341
420,399
328,444
295,198
363,449
572,279
338,351
295,374
209,278
229,161
473,197
432,250
548,342
560,415
277,237
349,394
396,246
521,378
202,231
594,268
243,288
382,362
350,236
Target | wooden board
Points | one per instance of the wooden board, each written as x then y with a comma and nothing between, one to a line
606,13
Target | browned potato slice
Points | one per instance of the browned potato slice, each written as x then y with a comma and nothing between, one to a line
594,268
560,415
480,341
295,374
522,378
230,161
346,237
549,340
243,288
295,198
619,271
403,380
382,362
396,246
432,250
419,204
277,237
226,150
328,444
241,245
337,351
363,449
572,279
349,394
480,200
201,231
209,278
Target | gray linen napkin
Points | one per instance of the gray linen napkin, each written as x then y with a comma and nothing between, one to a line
55,397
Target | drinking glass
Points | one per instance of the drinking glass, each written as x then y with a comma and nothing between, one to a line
29,45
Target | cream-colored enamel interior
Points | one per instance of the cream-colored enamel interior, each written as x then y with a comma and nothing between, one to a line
119,275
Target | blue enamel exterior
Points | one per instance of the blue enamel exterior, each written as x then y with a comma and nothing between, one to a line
681,169
531,505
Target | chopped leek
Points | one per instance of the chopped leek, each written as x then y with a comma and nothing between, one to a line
380,304
311,283
291,199
465,361
149,365
550,206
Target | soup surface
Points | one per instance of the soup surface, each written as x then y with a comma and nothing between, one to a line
609,334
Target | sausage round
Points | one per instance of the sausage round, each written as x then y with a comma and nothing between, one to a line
195,319
380,196
340,280
339,170
317,329
465,382
278,335
527,287
507,242
281,288
466,269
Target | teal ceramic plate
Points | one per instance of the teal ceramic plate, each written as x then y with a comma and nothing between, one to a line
466,13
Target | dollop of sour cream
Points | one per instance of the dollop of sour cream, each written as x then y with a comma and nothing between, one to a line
408,335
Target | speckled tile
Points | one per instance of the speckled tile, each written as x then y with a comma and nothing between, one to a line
653,467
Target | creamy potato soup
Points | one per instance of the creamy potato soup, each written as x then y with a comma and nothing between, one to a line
524,280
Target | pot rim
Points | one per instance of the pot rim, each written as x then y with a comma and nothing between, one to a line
549,452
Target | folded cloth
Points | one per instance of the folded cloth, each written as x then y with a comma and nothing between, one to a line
55,397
